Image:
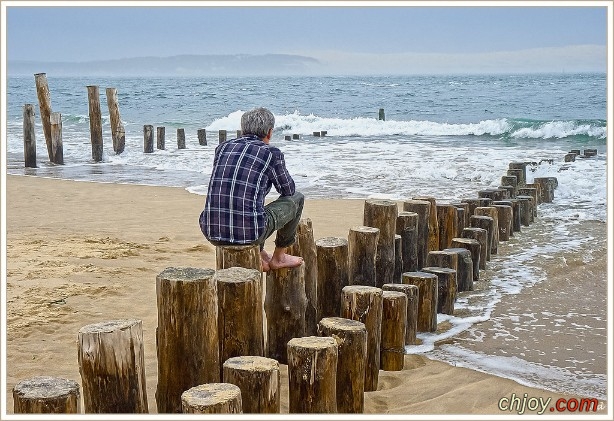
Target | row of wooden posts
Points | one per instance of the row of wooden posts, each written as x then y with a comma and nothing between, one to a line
336,320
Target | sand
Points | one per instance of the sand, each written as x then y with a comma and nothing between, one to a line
81,253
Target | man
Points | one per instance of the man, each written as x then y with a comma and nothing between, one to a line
244,170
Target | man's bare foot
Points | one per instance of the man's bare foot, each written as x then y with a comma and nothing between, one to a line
265,258
284,260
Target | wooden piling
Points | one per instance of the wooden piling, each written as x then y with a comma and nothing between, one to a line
351,337
446,283
509,193
187,307
333,275
381,114
462,216
398,258
296,136
44,104
202,137
423,209
161,137
394,325
427,284
93,97
245,256
512,181
112,367
411,292
532,192
180,138
312,375
29,136
285,305
223,135
407,228
383,214
481,236
365,304
494,214
464,268
505,220
212,398
433,241
57,148
475,250
526,211
515,216
547,185
148,138
259,380
362,251
447,223
522,175
570,157
316,134
46,395
287,137
118,133
486,223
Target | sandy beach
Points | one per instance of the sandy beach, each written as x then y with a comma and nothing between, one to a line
81,252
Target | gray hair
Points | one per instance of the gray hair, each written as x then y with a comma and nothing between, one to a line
257,122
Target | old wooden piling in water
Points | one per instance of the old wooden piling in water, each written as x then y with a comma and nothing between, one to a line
525,209
423,209
475,249
447,224
29,136
112,367
522,175
44,104
505,220
46,395
118,133
427,284
312,375
383,214
486,223
223,135
491,212
433,227
511,181
148,138
259,380
481,236
57,148
180,138
202,137
186,356
381,114
212,398
394,324
161,137
332,256
93,97
407,228
446,284
398,258
547,185
362,251
464,268
411,292
532,193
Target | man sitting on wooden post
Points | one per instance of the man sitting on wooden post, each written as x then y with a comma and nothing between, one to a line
244,170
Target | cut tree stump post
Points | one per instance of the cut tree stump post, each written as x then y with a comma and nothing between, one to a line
446,282
362,251
46,395
223,136
351,337
445,259
510,180
112,367
202,137
259,381
247,256
447,223
423,209
187,333
29,136
525,209
505,220
411,292
312,375
240,317
538,192
486,223
547,186
491,212
427,284
180,138
161,137
462,216
118,133
464,270
285,305
365,304
475,249
515,214
433,241
394,325
93,97
398,258
148,138
332,256
521,175
383,214
44,104
57,148
532,192
212,398
407,228
305,247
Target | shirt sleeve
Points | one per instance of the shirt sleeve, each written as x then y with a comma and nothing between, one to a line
283,182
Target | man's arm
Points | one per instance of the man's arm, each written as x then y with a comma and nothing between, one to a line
283,182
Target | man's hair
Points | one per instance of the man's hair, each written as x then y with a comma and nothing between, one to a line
257,122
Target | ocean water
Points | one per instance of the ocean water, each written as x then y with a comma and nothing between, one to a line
444,136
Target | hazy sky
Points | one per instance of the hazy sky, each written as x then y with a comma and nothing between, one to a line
431,37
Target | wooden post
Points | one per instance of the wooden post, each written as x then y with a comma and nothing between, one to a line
538,192
46,395
398,258
295,136
382,115
161,137
570,157
445,259
464,270
427,284
112,367
240,318
29,136
93,97
494,214
351,337
382,214
259,381
462,216
287,137
504,221
481,236
475,249
547,188
316,134
526,212
148,139
446,282
118,133
447,223
180,138
510,180
532,192
515,216
522,175
305,247
509,193
362,251
212,398
423,209
57,149
223,135
187,307
332,256
44,104
590,152
472,203
239,133
202,137
312,375
407,228
486,223
411,292
493,194
365,304
394,324
433,242
285,306
245,256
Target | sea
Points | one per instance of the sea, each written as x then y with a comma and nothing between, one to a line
441,136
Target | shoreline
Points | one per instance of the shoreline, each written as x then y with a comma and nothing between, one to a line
99,246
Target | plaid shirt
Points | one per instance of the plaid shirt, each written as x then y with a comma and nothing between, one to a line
244,170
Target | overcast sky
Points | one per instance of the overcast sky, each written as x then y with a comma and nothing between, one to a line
522,37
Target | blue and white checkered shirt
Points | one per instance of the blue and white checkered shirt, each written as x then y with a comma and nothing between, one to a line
244,170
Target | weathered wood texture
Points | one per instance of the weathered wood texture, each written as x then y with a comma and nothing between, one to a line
423,209
44,104
531,192
222,135
312,375
161,137
382,214
512,181
365,304
351,337
202,137
462,217
259,380
475,250
46,395
407,228
486,223
362,252
305,247
187,333
447,224
118,133
491,212
433,241
212,398
112,367
464,268
93,97
526,213
180,138
29,136
547,185
148,138
398,258
285,305
247,256
57,146
411,323
427,284
505,220
332,256
521,173
394,324
446,291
